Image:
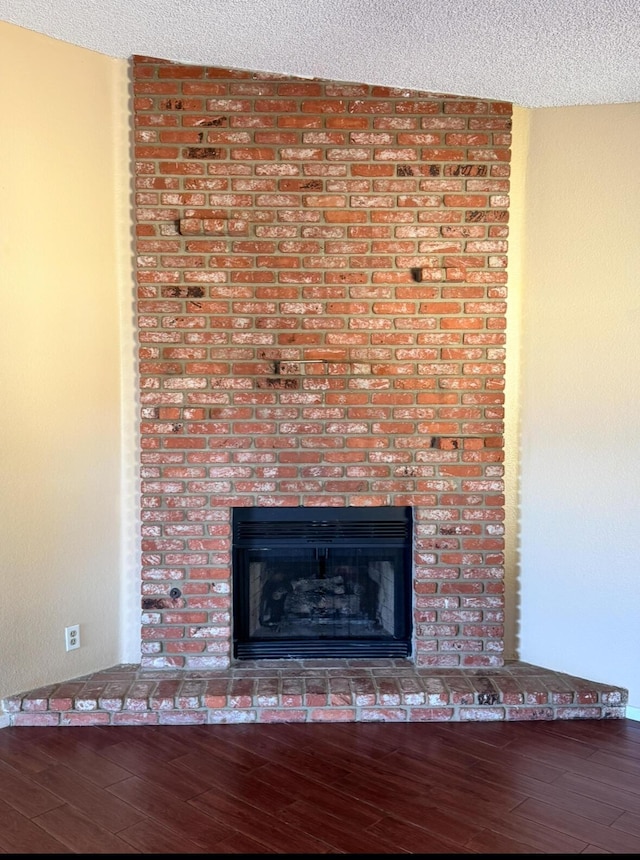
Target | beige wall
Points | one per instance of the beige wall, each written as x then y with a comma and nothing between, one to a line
68,529
519,153
580,396
61,554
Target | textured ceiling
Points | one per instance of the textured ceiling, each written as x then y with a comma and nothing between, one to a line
534,53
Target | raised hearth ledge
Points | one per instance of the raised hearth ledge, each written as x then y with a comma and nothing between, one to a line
282,691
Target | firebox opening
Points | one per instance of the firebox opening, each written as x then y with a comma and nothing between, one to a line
322,582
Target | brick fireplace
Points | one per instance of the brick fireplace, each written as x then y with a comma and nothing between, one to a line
321,296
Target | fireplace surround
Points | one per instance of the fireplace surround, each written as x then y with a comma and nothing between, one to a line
321,297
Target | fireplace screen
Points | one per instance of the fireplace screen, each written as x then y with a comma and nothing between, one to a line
321,582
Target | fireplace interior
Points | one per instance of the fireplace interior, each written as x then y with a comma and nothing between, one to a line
322,582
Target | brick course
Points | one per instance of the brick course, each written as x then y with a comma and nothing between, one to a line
321,297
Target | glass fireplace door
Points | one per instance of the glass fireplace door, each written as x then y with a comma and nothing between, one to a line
311,590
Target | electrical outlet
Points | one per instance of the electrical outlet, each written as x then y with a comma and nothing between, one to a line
72,637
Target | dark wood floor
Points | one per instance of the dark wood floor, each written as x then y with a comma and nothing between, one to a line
554,787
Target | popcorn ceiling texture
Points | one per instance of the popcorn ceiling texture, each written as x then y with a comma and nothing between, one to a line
539,53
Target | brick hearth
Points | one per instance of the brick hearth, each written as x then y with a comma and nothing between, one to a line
315,691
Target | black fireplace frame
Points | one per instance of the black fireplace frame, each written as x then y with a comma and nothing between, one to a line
388,528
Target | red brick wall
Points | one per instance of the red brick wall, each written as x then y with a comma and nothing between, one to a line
321,301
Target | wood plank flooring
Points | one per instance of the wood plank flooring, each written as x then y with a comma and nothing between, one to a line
547,787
